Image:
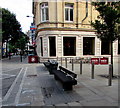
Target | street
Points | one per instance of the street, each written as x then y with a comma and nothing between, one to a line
11,77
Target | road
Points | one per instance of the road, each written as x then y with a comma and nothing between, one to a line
11,77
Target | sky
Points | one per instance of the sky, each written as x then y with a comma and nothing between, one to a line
21,8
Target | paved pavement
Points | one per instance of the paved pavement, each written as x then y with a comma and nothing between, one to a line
34,86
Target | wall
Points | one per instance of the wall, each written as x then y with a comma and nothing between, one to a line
56,15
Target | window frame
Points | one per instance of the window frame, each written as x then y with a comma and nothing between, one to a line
43,7
69,6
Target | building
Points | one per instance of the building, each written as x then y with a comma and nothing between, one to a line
64,30
31,34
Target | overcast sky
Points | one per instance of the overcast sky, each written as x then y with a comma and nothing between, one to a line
21,8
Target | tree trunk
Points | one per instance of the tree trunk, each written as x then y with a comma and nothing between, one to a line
112,56
6,54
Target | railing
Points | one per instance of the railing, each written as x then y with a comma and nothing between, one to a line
69,59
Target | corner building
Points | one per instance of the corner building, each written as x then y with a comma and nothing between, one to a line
64,30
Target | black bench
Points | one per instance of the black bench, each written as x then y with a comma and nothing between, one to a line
47,64
66,77
51,64
68,72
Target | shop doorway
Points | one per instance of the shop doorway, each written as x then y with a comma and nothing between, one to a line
52,46
69,46
88,45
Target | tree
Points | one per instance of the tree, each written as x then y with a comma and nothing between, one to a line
10,27
106,24
21,42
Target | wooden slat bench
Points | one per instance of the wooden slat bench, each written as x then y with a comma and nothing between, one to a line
50,65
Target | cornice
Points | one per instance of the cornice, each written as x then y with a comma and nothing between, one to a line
64,29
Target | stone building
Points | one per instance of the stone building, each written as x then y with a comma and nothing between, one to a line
64,30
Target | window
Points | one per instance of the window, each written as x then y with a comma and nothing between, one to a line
41,42
88,45
52,46
69,12
118,46
69,46
44,12
105,47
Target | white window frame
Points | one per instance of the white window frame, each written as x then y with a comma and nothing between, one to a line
69,7
44,7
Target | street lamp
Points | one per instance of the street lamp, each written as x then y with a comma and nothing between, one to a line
30,16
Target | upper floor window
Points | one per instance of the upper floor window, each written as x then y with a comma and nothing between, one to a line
44,12
68,12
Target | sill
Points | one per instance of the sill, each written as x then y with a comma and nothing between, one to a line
88,54
44,21
69,21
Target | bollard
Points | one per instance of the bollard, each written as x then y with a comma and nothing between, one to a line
81,67
110,75
70,60
92,76
61,61
66,62
72,65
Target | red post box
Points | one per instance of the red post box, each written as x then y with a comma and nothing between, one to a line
95,61
104,60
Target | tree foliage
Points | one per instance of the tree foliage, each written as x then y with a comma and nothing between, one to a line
10,25
11,31
21,42
108,20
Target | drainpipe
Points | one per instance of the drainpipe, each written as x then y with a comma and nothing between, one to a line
86,11
63,13
56,16
91,13
77,15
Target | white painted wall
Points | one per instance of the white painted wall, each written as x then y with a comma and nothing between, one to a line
79,43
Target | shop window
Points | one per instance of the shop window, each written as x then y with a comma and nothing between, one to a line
88,45
118,46
52,46
69,46
105,48
41,42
